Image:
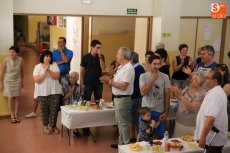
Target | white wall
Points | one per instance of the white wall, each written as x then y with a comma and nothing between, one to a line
140,38
167,21
75,7
6,30
73,35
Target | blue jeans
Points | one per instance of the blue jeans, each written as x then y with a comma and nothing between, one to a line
121,106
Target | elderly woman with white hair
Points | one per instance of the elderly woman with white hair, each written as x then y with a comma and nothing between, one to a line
190,99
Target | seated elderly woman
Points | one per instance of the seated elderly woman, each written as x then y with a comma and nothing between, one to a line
190,99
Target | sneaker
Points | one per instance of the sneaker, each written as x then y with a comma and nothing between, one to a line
31,115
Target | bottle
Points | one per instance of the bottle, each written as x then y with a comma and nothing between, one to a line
166,143
101,103
80,100
166,135
75,104
87,105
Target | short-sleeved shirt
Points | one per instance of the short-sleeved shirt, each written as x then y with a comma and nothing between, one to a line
202,69
214,104
48,86
93,69
155,98
188,117
64,67
124,73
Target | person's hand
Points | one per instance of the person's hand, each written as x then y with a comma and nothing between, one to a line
147,131
99,52
154,75
178,92
105,79
47,67
153,123
163,117
187,70
202,142
73,89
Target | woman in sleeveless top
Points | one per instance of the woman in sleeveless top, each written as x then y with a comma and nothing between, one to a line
12,67
179,62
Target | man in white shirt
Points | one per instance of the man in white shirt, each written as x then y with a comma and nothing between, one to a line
213,113
122,89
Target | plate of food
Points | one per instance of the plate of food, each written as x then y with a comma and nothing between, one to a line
157,142
136,147
188,138
156,148
175,140
176,144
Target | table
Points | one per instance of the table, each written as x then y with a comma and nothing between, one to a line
125,149
75,118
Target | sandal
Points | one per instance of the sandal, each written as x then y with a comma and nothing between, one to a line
13,120
46,130
56,130
17,119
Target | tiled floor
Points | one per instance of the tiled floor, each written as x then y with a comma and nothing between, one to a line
27,136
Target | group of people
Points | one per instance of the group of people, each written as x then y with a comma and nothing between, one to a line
141,92
194,82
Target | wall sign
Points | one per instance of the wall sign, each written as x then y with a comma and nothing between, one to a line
131,11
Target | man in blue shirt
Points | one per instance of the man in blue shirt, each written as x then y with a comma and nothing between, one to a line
63,56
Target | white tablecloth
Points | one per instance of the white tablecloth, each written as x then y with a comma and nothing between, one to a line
125,149
73,119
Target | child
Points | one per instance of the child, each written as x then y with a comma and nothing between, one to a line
146,125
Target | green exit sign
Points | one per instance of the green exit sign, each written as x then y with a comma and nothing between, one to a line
131,11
